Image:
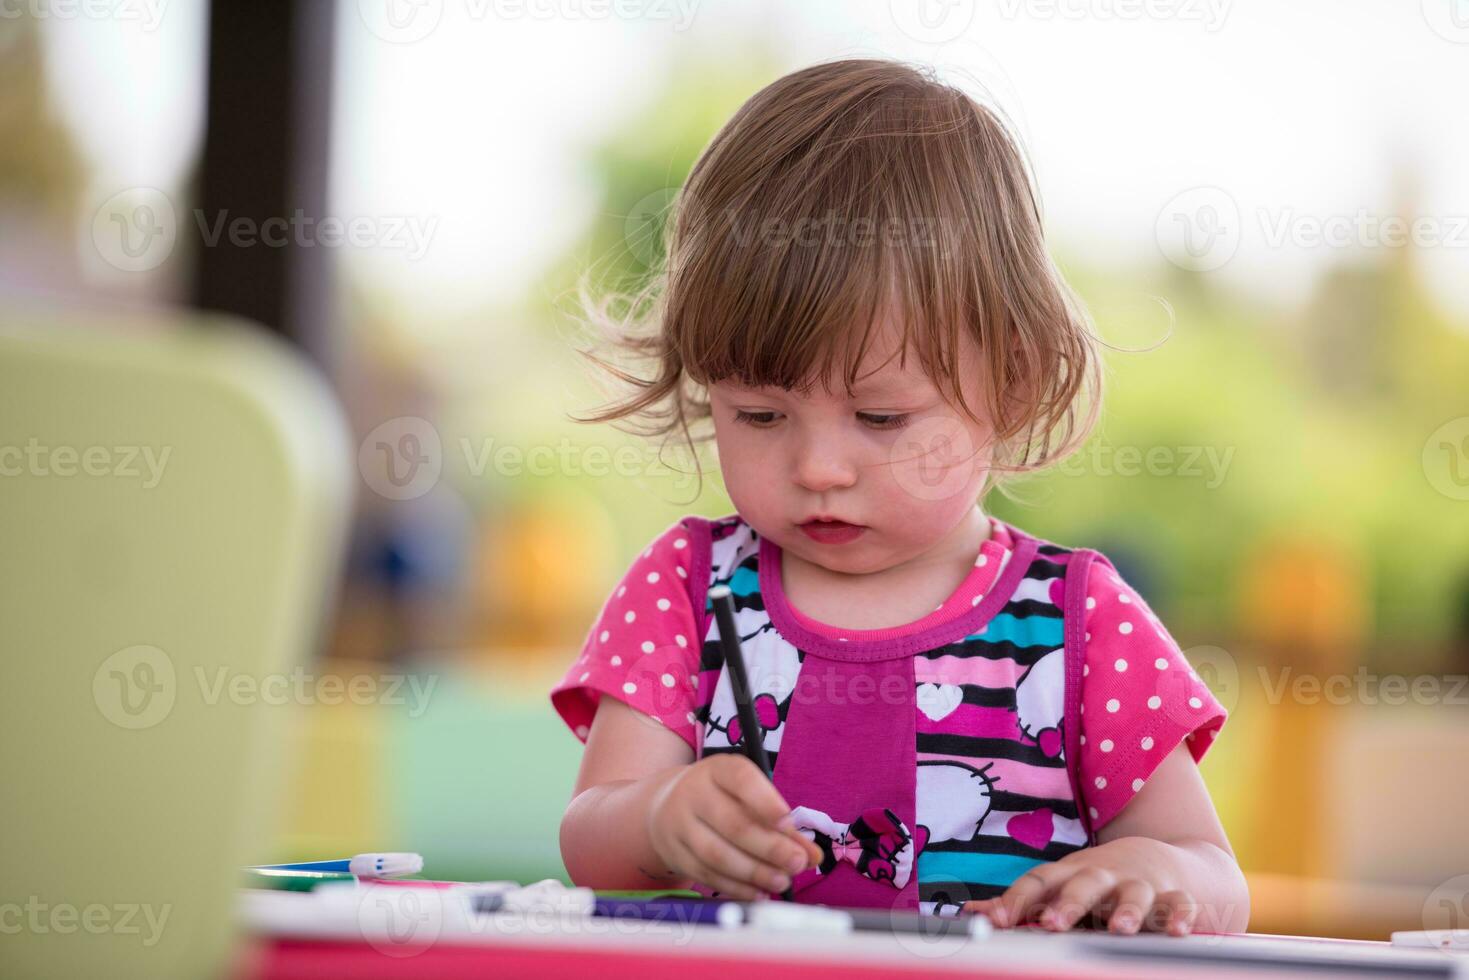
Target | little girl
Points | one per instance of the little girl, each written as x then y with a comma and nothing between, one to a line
961,717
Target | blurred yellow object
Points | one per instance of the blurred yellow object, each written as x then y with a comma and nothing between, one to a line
1301,906
1305,599
340,779
1304,604
541,572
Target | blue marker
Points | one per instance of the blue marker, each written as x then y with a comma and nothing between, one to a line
363,866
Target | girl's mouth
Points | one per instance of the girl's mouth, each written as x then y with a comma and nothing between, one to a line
832,532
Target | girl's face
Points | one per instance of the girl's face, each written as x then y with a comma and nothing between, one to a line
895,462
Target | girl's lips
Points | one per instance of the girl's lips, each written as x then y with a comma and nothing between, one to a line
832,532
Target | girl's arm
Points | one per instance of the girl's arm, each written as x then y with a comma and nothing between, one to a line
1163,863
604,841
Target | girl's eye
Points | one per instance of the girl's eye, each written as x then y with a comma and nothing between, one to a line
883,421
758,419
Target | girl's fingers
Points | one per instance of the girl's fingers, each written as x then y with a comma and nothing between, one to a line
808,848
1131,901
717,853
691,865
716,863
980,906
742,779
1076,898
1027,894
776,852
1180,910
754,801
773,851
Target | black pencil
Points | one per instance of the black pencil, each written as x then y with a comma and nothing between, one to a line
752,741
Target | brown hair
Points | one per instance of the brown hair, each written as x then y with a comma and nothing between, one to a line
832,192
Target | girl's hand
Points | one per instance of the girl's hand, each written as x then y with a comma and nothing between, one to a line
720,822
1130,883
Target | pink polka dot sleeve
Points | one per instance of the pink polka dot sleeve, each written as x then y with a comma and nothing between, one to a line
1140,698
643,648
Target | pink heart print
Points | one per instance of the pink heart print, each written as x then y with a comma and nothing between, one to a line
1032,829
1058,592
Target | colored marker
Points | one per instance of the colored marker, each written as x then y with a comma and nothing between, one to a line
363,866
734,659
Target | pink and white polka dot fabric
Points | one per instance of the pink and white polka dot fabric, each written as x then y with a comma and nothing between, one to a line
1140,697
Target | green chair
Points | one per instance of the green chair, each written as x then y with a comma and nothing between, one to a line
173,500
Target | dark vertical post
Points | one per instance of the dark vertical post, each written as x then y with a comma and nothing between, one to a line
265,160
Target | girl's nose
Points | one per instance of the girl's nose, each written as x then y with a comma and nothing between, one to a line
822,464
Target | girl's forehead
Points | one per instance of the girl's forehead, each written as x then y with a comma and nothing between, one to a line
873,380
